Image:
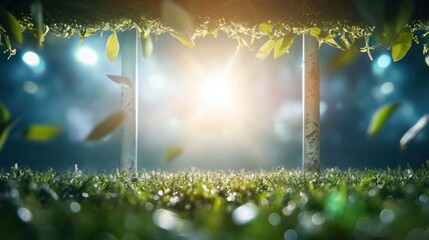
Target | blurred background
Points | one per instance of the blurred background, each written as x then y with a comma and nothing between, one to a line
220,106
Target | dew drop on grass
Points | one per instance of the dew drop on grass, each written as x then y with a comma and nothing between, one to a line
24,214
85,195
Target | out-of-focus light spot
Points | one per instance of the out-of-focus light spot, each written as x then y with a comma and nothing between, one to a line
30,87
381,64
166,219
274,219
87,55
75,207
384,61
217,92
156,82
290,235
335,203
318,218
31,59
244,213
323,107
387,216
387,88
34,61
24,214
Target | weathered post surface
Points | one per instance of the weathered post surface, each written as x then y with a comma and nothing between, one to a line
129,49
311,103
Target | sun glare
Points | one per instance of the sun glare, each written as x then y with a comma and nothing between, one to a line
216,93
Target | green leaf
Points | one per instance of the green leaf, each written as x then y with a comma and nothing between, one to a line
171,153
266,49
147,32
176,17
267,28
413,131
112,47
186,41
121,80
341,59
324,36
283,45
147,47
4,131
41,132
387,26
4,114
10,25
37,13
380,117
401,44
106,126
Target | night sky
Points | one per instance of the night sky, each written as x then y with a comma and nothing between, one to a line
257,127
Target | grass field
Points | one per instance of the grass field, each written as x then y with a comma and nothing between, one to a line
194,204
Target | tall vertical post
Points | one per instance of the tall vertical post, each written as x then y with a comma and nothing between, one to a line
311,103
129,49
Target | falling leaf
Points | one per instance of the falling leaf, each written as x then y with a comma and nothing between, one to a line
37,13
380,117
266,49
171,153
4,114
107,126
283,45
4,131
401,44
176,17
186,41
147,47
413,131
41,132
10,25
121,80
341,59
112,47
267,28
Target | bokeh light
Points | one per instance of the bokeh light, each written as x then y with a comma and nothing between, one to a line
31,59
381,64
87,56
387,88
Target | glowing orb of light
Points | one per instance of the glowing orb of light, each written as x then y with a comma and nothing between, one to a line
384,61
387,88
31,59
216,92
87,55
